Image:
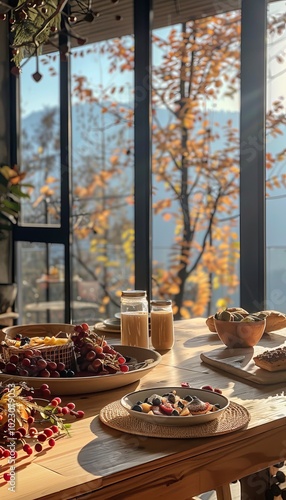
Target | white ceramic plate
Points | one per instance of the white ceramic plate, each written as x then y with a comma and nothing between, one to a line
102,328
131,399
84,385
112,323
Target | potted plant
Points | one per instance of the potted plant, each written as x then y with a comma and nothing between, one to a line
11,192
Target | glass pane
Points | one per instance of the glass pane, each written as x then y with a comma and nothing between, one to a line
39,139
41,278
196,91
103,171
275,159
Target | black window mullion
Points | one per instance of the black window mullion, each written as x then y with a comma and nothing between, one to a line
252,154
65,154
142,145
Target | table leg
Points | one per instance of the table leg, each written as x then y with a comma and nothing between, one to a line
255,485
223,492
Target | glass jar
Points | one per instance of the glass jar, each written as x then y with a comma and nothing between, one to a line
134,318
162,325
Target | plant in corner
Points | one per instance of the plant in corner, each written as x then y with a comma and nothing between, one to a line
11,192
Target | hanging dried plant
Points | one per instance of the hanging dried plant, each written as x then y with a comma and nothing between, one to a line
33,22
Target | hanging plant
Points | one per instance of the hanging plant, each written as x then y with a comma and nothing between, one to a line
33,22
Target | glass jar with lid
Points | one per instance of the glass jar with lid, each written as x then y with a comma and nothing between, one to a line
162,325
134,318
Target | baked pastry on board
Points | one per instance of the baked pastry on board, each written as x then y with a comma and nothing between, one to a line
273,360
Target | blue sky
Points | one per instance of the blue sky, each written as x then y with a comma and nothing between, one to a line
36,96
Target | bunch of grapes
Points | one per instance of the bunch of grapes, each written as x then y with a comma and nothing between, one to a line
94,355
32,364
41,426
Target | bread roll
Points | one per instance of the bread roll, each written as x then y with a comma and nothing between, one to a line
275,320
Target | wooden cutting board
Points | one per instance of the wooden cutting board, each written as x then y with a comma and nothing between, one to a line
240,362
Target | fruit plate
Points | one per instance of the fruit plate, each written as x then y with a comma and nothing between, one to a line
96,383
211,397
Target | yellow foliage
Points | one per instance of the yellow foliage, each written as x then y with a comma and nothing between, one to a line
167,217
46,191
113,159
50,179
102,258
221,303
185,313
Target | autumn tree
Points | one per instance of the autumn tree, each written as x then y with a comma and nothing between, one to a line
195,166
197,160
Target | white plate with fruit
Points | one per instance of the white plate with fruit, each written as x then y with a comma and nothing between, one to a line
176,406
36,354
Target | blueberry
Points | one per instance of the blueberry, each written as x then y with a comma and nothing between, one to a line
180,404
156,401
137,408
188,398
139,402
64,373
217,405
171,397
70,373
280,476
175,413
25,340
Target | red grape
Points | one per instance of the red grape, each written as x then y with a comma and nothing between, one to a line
14,359
41,363
26,362
10,368
52,365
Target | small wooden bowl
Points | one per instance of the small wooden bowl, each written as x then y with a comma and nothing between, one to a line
240,333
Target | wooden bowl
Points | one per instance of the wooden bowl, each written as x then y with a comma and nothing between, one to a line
240,333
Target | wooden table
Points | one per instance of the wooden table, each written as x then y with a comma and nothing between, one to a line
99,462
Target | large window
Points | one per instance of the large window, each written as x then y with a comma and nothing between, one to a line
103,171
101,188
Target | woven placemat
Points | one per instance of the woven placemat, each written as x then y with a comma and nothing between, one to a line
235,417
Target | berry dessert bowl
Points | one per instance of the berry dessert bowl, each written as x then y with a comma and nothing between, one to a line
240,333
175,406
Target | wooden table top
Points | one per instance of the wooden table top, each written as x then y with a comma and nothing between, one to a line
100,462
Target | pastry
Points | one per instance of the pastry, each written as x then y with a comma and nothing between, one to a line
210,319
273,360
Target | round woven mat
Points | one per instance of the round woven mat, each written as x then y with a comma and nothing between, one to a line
233,418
